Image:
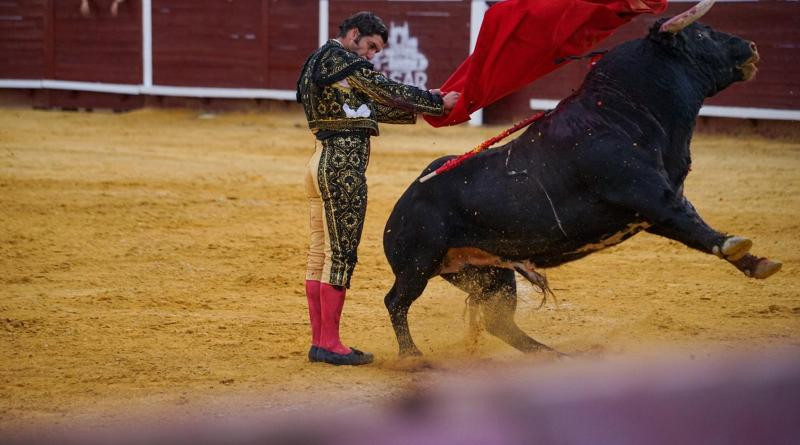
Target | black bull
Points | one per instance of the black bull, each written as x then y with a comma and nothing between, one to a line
608,162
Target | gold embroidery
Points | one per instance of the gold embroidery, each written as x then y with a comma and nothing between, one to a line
343,188
393,94
323,97
391,115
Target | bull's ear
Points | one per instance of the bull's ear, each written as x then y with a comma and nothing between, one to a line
666,39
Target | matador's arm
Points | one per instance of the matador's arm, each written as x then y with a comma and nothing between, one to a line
390,115
395,95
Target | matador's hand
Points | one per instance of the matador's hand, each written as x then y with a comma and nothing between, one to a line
450,100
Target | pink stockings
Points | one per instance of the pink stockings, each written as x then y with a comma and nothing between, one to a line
314,315
325,303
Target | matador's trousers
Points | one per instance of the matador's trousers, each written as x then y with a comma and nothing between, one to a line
336,186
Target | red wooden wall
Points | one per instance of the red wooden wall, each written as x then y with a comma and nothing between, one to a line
215,44
22,39
238,44
97,48
262,44
292,33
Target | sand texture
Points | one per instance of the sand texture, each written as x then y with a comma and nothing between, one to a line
154,261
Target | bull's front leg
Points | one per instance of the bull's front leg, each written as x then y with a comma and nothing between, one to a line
750,265
648,193
683,224
756,267
734,249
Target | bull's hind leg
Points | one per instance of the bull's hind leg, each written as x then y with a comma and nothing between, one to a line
468,280
498,294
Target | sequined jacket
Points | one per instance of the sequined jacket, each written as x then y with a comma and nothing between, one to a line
341,91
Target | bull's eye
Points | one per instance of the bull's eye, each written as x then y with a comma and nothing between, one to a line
699,36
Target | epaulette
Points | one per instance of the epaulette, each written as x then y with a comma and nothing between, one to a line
335,63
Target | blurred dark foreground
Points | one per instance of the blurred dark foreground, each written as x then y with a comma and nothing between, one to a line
735,400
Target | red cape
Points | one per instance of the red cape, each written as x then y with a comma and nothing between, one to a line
520,40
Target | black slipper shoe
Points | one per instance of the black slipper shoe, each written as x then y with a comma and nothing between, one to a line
354,358
313,354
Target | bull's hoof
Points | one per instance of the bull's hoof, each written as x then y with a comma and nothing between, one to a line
410,352
539,348
564,358
410,364
764,269
734,248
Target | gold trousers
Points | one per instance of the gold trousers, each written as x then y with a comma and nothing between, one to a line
336,186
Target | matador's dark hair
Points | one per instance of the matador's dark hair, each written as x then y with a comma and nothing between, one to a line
367,24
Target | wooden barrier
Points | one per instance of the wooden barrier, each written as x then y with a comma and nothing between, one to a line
253,49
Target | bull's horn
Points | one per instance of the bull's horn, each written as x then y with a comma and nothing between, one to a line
686,18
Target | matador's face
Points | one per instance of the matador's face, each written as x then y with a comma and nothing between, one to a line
364,46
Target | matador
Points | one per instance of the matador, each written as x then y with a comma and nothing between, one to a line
344,98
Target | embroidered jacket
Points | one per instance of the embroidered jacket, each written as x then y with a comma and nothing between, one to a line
341,91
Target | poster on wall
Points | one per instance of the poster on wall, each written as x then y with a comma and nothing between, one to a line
401,60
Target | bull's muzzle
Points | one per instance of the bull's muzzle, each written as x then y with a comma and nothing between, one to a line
749,68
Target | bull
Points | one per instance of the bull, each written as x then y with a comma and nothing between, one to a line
609,161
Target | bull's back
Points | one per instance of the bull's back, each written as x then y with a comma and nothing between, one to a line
406,222
528,199
540,211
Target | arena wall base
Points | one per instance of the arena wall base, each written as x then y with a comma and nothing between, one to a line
70,100
221,104
773,129
87,100
24,98
497,115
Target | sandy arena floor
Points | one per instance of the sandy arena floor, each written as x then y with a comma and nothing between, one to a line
153,262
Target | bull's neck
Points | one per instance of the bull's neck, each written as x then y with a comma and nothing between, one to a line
665,98
661,101
667,95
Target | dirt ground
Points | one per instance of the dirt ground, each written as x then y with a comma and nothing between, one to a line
154,262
